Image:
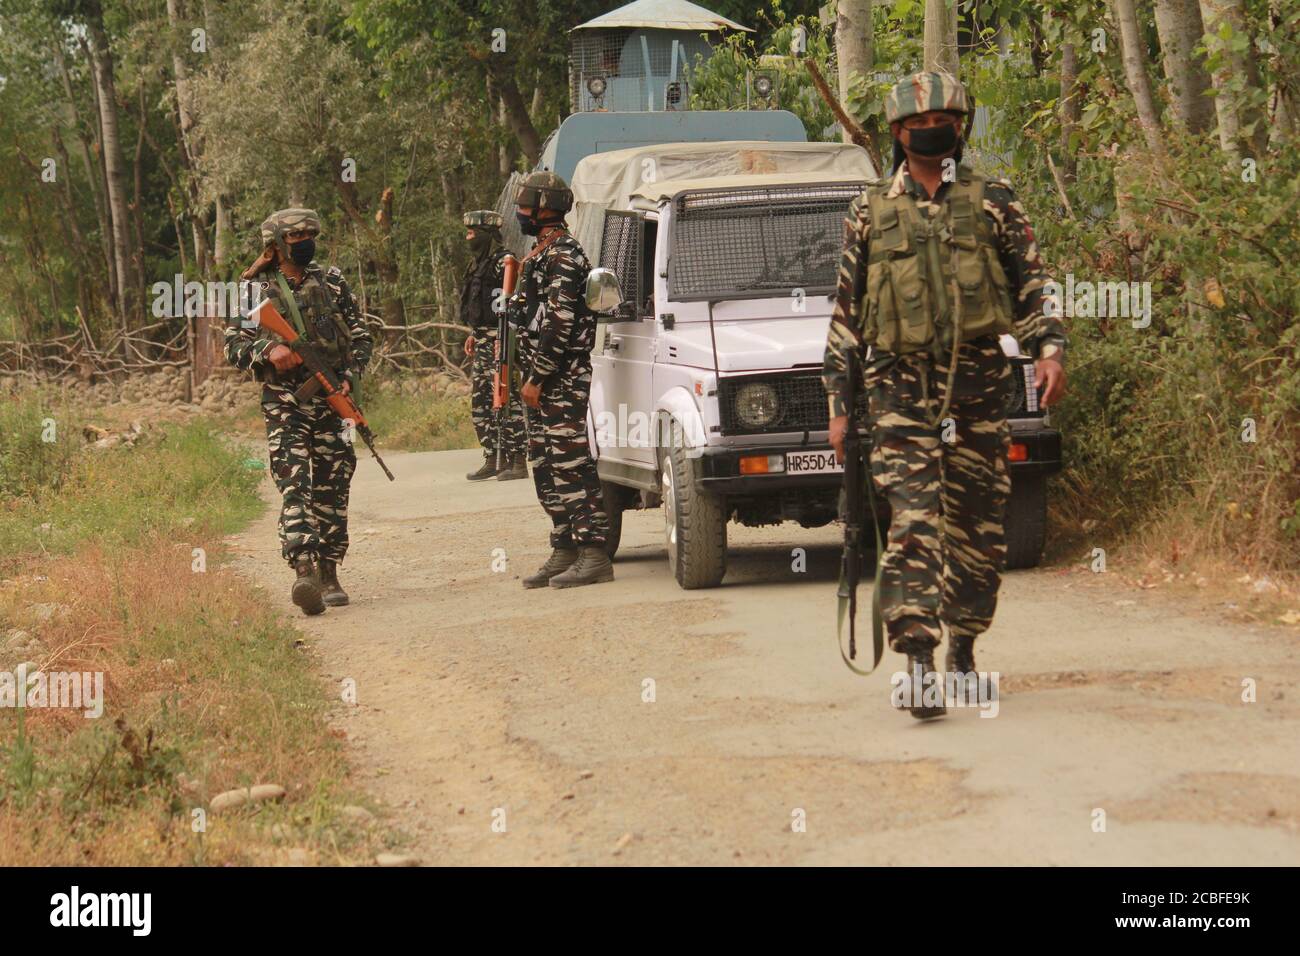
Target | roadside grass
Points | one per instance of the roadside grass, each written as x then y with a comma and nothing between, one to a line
408,415
204,689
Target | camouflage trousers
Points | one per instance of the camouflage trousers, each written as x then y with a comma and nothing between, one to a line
564,472
312,464
947,488
485,419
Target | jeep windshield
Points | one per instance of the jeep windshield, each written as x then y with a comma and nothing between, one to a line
761,241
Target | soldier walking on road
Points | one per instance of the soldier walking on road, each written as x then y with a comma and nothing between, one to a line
312,458
938,262
480,298
556,341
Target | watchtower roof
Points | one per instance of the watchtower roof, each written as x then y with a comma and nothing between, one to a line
661,15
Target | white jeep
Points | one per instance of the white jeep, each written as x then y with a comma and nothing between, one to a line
706,392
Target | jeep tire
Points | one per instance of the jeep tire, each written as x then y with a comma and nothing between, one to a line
1026,521
695,521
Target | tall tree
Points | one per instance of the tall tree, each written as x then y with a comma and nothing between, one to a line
940,37
1135,73
1178,23
101,57
853,40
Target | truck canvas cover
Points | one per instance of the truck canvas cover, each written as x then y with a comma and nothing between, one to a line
638,179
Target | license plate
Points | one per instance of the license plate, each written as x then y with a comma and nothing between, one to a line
812,463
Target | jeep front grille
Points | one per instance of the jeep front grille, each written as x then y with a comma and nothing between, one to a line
800,399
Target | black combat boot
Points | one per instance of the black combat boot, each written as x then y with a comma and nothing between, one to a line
592,567
514,468
331,591
560,560
921,673
487,470
306,587
960,658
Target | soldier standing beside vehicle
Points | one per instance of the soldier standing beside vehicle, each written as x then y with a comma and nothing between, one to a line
312,458
555,344
936,253
478,305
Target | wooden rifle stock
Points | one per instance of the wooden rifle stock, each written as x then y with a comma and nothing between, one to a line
501,378
323,377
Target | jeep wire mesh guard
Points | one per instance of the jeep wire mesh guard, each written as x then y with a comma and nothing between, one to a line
758,241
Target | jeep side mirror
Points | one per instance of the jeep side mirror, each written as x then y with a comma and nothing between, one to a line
603,293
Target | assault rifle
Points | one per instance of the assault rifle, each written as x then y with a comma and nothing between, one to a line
857,478
323,379
504,354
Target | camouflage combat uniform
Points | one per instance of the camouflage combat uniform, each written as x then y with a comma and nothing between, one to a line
946,548
555,352
482,284
311,459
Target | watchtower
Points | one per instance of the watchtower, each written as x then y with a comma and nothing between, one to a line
639,57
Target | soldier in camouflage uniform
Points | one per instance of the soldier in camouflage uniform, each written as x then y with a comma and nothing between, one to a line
312,459
936,253
478,305
555,351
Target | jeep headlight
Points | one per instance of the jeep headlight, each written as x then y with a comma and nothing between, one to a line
756,404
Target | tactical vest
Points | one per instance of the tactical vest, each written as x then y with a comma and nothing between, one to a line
320,323
907,303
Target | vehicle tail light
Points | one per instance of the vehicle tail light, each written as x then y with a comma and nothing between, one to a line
761,464
1019,452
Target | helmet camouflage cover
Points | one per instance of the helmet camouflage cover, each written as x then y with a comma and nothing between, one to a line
483,218
923,92
545,190
279,224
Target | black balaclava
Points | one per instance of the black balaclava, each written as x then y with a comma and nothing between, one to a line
482,241
303,251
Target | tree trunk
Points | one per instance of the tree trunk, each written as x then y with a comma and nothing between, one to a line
853,36
1069,109
517,119
94,175
940,37
114,164
378,238
1286,89
1135,71
1235,119
221,249
1178,22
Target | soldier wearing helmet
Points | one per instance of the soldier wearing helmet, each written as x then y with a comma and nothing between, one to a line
312,459
558,333
938,262
479,305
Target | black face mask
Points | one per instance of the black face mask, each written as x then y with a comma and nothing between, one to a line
933,140
527,224
302,252
480,243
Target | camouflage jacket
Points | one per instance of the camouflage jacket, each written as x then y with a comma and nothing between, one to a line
482,282
558,333
1017,251
246,346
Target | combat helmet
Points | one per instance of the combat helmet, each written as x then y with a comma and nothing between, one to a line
482,219
544,189
923,92
280,224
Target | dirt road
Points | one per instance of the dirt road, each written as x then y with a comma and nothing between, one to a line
480,703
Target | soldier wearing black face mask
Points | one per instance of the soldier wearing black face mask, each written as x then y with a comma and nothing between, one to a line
312,459
938,262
